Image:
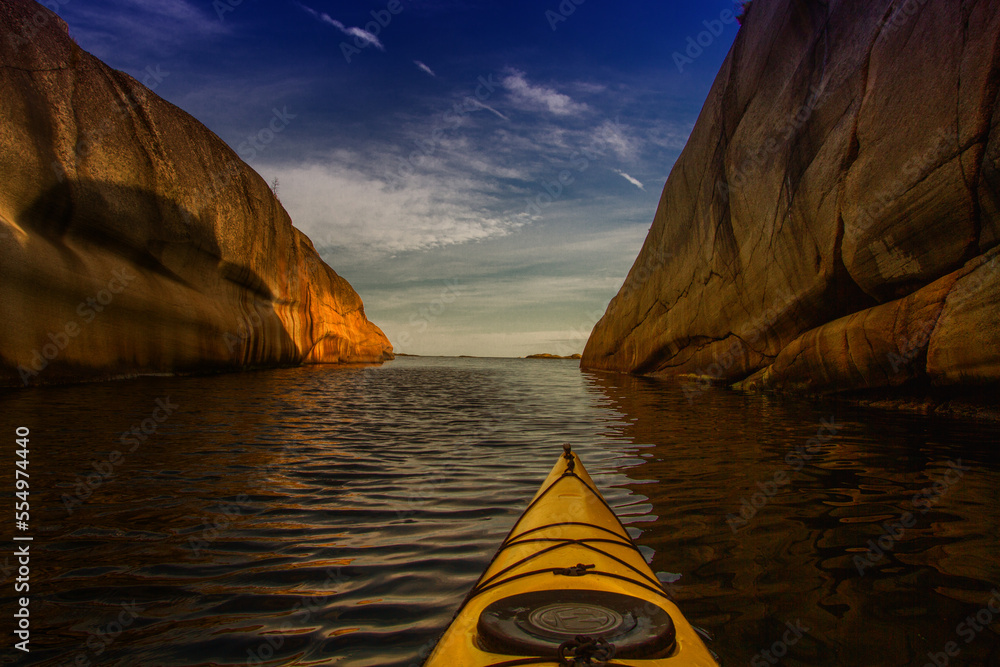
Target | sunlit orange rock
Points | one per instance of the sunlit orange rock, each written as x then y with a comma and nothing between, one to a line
133,240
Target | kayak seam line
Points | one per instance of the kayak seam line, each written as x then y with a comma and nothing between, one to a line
475,593
566,542
487,582
611,510
583,543
536,500
564,523
569,472
516,540
563,539
540,495
595,492
541,660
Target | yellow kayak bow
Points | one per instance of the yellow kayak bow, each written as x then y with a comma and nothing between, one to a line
569,587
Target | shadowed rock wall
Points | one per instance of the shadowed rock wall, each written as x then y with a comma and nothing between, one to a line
830,224
133,240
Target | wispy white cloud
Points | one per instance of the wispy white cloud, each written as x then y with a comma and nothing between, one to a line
631,179
351,31
338,205
424,68
589,88
617,138
143,30
487,107
175,10
562,275
539,98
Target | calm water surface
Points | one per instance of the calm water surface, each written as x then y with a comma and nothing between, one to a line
338,515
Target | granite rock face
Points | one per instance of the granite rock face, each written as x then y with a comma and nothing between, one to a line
830,224
133,240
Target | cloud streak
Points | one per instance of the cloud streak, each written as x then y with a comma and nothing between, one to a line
352,31
487,107
500,280
144,30
631,179
539,98
338,205
405,184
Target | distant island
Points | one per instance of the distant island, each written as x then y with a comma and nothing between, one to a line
553,356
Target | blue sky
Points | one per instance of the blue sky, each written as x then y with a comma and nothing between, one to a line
483,172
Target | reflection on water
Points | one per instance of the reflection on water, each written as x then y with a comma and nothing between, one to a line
770,525
339,515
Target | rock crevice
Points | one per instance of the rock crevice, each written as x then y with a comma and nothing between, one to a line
904,136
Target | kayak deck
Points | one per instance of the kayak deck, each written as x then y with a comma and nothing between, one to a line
569,581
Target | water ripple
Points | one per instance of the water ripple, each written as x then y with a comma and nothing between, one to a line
338,516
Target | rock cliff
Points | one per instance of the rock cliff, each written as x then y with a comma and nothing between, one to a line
133,240
832,222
